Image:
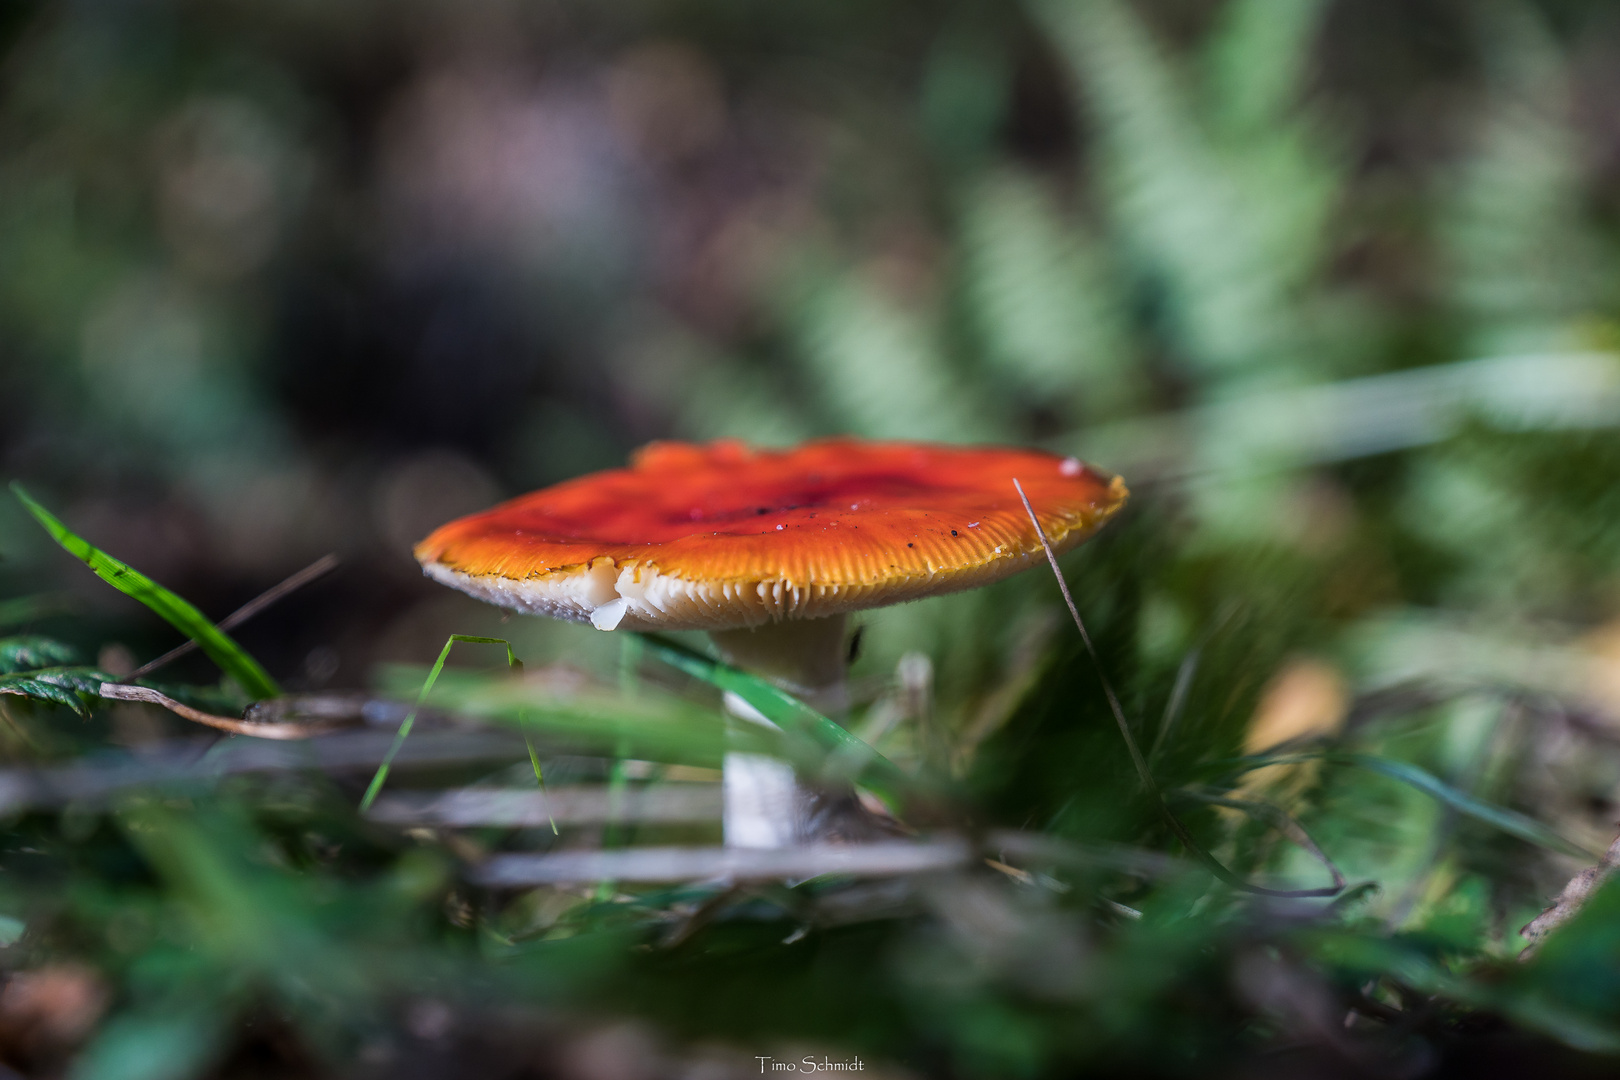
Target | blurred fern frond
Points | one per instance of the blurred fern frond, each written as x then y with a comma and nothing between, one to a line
1221,197
1522,270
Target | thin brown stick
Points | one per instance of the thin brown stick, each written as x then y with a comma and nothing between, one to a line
1570,901
120,692
1174,823
319,568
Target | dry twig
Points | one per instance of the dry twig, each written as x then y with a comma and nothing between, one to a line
1570,901
120,692
319,568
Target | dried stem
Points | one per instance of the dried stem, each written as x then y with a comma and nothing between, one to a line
319,568
120,692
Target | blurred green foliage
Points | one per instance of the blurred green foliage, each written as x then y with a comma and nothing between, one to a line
1331,284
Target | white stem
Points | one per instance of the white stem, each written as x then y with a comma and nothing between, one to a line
805,656
763,801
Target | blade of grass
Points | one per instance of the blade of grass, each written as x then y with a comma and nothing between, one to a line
523,725
618,774
405,725
613,830
1174,823
1184,677
539,777
1277,818
1511,822
1178,699
658,727
231,658
871,768
1508,821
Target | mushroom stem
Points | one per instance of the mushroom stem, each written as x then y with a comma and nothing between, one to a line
805,656
763,800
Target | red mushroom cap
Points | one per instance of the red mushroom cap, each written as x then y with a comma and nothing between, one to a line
725,535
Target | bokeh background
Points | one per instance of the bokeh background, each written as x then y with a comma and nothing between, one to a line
1333,284
306,278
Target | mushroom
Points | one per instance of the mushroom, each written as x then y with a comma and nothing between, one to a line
769,550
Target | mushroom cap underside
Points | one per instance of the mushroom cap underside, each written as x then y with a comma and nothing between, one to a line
720,535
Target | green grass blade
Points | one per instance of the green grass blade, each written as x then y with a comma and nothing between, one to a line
523,725
523,721
405,725
539,777
787,712
592,721
1508,821
178,612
